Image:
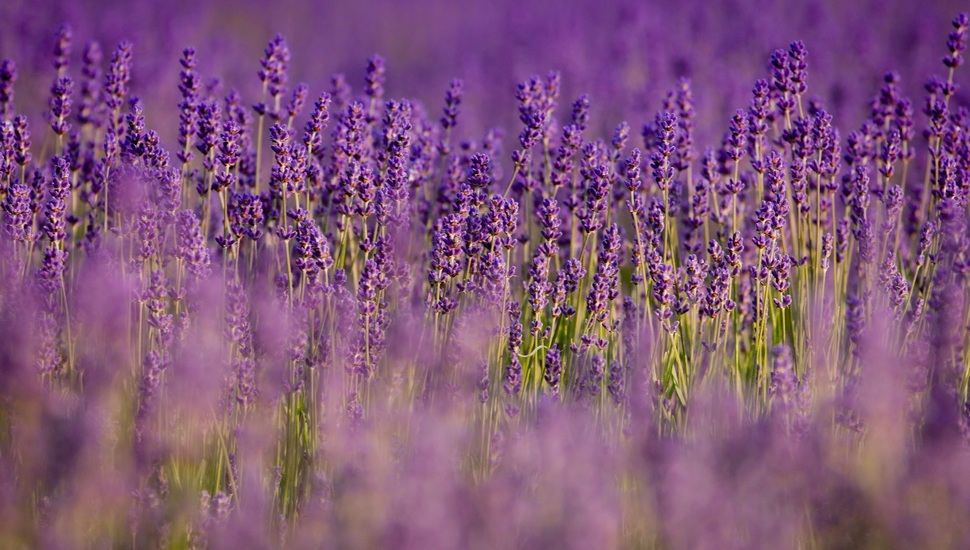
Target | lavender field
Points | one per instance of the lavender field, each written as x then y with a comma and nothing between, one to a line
617,275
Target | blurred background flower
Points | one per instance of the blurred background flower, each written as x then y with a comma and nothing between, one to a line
625,54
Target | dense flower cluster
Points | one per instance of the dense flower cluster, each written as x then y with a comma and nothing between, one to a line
382,332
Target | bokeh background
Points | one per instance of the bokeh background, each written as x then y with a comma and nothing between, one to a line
625,54
554,481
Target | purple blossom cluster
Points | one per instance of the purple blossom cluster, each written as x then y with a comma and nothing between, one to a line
396,329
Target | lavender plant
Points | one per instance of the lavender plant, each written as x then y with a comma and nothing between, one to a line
385,332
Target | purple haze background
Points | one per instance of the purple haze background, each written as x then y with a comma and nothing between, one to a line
198,434
625,54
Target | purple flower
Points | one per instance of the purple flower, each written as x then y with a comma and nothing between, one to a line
89,108
616,385
515,329
56,208
190,245
8,76
539,286
513,376
229,154
313,131
394,204
273,74
599,181
134,145
51,273
683,103
549,221
783,379
150,380
188,108
957,41
21,141
452,103
18,213
797,67
62,49
660,162
311,250
780,279
605,286
591,381
297,101
60,105
739,136
116,83
246,215
374,82
553,370
208,130
532,112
